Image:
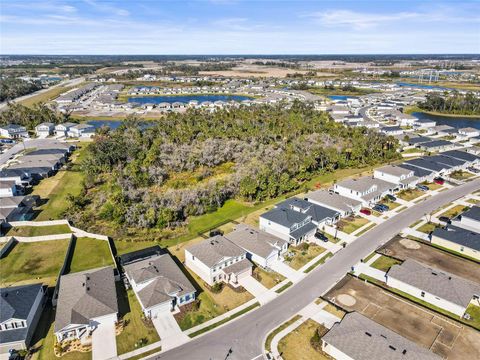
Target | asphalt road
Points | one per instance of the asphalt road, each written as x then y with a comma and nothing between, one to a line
245,336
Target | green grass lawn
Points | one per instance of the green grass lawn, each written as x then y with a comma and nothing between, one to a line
268,278
44,97
432,186
474,311
38,230
33,262
319,262
57,187
461,175
410,194
124,247
349,225
391,204
454,211
427,228
301,256
284,287
384,263
136,328
90,254
332,309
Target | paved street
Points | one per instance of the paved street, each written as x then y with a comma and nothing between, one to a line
245,336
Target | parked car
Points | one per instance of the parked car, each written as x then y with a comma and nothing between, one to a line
439,181
215,232
391,197
384,207
423,187
474,170
379,208
321,236
366,211
445,219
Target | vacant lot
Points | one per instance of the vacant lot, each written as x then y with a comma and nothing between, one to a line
296,345
38,230
405,248
90,254
33,262
444,337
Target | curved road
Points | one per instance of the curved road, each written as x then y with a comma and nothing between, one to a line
245,336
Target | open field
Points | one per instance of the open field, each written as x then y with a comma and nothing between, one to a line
252,70
444,337
45,96
33,262
90,253
29,231
409,249
297,346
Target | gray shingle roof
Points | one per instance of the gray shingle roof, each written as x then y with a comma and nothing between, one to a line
168,279
363,339
473,213
85,295
284,217
255,241
317,212
214,250
17,301
459,236
333,200
436,282
463,155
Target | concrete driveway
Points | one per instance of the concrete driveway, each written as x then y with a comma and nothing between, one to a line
254,287
285,270
104,344
167,328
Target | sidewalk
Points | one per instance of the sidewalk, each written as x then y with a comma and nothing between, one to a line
362,268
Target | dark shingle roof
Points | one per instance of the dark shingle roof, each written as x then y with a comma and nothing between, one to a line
284,217
463,155
16,302
472,213
459,236
317,212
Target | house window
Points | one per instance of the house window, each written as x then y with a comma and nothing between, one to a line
422,294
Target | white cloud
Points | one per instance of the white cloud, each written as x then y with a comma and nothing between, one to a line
105,7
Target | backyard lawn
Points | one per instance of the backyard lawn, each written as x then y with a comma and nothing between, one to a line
297,346
474,312
384,263
136,331
33,262
454,211
268,278
349,225
90,254
56,188
302,256
38,230
409,195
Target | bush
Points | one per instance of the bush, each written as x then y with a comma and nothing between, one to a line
316,340
217,287
304,246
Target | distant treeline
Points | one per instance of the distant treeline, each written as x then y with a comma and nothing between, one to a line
452,103
31,117
11,88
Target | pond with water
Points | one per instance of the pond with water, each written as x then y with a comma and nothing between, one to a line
454,121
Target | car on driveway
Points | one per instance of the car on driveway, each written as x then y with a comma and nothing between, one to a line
423,187
439,181
379,208
321,236
474,170
391,197
365,211
445,219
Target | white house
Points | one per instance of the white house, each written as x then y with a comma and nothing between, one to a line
44,129
217,259
85,300
81,131
439,288
261,247
13,131
470,219
157,281
468,132
458,239
392,130
63,129
21,308
403,178
366,189
8,188
345,206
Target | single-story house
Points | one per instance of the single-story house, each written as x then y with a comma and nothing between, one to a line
343,205
44,129
158,283
437,145
13,131
366,189
469,158
437,287
261,247
217,259
288,224
85,299
453,164
470,218
21,177
357,337
425,163
458,239
424,124
468,132
8,188
21,308
403,178
391,130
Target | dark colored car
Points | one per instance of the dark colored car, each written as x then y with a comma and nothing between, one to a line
391,197
366,211
379,208
445,219
215,232
321,236
423,187
384,207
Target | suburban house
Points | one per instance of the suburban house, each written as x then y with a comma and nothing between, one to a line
44,129
343,205
81,130
157,281
426,163
469,158
20,177
8,188
217,259
470,219
424,124
288,224
17,208
468,132
439,288
436,145
457,239
366,189
85,300
63,129
21,308
360,338
261,247
320,215
391,130
13,131
403,178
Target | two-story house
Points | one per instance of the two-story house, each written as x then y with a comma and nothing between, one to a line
44,129
368,190
63,129
13,131
403,178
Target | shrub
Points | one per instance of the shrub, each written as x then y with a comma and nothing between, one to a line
217,287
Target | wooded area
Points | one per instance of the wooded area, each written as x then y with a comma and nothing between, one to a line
453,103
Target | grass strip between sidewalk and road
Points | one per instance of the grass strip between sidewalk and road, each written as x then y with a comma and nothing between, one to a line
319,262
284,287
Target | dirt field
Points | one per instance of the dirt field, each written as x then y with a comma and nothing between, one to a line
444,337
252,70
432,257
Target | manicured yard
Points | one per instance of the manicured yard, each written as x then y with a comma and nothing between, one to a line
427,228
124,247
268,278
318,262
38,230
384,263
473,201
33,262
136,328
349,225
302,254
454,211
474,312
56,188
297,345
409,195
89,254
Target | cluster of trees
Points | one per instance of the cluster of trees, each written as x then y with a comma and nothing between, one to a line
31,117
11,88
273,150
452,103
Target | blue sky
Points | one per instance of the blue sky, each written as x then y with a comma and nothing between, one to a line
238,27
